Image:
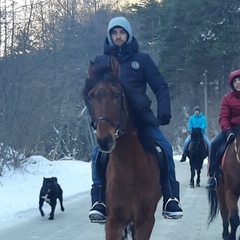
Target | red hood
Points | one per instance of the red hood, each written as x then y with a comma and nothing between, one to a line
231,76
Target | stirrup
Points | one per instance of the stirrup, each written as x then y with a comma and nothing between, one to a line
172,215
212,186
97,216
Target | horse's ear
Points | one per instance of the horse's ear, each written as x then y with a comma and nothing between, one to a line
90,69
114,66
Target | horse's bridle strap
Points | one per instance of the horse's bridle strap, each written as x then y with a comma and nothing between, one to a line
236,150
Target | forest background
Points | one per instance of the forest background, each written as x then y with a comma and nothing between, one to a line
46,47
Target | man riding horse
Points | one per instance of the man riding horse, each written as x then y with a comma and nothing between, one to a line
197,120
229,119
137,70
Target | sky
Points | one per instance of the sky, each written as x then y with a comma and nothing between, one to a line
19,189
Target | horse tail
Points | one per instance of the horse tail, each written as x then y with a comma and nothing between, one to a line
214,207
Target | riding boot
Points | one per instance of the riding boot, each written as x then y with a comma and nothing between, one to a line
171,206
97,213
175,189
212,182
213,169
184,156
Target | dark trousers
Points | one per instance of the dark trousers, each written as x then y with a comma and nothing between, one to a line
214,161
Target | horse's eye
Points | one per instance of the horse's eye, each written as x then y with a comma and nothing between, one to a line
89,98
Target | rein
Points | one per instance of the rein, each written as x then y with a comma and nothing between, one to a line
236,150
118,126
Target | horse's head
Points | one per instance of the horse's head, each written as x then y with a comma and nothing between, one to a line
104,97
196,138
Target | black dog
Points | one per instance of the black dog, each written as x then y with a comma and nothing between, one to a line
49,193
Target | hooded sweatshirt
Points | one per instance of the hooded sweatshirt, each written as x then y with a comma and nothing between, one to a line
119,22
229,116
197,121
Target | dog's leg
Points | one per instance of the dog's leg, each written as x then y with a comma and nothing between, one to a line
60,197
41,201
53,206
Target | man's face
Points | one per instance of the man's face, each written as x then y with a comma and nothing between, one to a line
196,113
119,36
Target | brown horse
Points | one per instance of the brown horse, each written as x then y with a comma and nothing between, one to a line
227,194
132,175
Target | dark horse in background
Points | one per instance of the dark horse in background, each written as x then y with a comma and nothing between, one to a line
197,151
225,197
132,174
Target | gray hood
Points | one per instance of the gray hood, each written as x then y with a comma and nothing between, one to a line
119,22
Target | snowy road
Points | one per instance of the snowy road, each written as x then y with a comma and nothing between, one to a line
73,224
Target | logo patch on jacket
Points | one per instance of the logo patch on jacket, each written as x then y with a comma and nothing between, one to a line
135,65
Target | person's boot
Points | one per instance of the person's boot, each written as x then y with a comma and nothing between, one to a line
171,207
212,183
171,204
184,156
97,213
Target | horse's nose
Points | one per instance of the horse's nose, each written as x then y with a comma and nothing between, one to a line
106,144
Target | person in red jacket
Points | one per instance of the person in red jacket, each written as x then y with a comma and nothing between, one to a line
229,119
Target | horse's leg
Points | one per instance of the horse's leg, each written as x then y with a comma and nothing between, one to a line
114,229
143,231
192,176
198,177
128,232
232,200
234,223
224,212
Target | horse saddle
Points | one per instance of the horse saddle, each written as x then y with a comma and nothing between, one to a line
220,150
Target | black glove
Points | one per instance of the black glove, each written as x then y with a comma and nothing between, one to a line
230,136
164,120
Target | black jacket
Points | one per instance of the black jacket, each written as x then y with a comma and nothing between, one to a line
137,69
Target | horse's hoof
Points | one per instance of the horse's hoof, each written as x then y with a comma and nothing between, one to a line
197,185
191,185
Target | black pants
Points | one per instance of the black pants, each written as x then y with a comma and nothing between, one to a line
214,161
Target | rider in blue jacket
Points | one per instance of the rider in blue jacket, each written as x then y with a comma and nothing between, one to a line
137,69
197,120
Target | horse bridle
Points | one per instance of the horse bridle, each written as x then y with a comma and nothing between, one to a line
117,127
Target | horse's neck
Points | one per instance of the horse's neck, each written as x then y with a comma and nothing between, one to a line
127,123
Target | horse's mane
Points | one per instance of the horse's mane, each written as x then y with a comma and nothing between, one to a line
99,73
